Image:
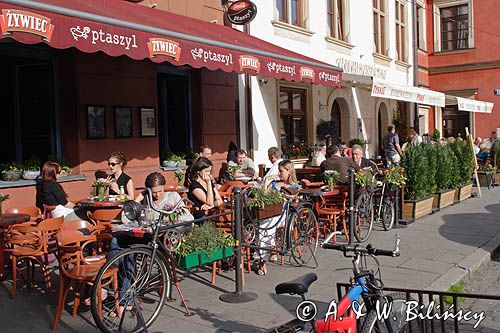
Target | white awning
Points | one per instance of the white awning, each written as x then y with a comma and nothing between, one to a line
407,93
469,105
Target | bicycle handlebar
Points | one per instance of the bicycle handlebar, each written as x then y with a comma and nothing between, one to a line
358,250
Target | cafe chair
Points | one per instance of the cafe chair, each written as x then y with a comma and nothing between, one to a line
103,218
47,211
32,244
74,271
103,240
33,211
333,210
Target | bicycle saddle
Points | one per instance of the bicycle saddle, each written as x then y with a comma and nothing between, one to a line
298,286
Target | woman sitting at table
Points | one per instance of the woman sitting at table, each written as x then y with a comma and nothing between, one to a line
285,181
162,200
117,162
51,193
202,192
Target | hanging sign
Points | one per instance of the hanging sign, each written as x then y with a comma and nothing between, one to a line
241,12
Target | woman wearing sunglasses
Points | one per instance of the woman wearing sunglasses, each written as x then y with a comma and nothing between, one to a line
117,162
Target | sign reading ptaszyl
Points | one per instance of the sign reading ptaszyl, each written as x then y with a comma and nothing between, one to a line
241,12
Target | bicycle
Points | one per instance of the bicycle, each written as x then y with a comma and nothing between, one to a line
383,201
366,288
146,273
300,233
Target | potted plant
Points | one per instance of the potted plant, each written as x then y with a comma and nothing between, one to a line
356,141
3,197
394,177
11,172
418,201
326,130
264,203
179,176
364,179
330,177
31,168
465,158
171,160
445,168
495,152
298,153
204,244
101,188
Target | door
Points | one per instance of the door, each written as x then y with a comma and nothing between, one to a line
455,122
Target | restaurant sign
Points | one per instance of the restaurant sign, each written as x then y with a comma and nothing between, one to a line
250,63
307,73
471,105
407,93
22,21
241,12
165,47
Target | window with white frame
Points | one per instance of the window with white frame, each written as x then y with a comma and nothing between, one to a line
337,19
379,24
421,32
454,25
291,12
400,7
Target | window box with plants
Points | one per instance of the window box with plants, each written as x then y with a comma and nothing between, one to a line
11,172
172,161
31,168
420,184
298,153
264,204
445,175
465,161
203,245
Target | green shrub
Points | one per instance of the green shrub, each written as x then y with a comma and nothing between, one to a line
436,136
443,168
356,141
204,238
414,161
496,150
325,129
430,151
454,171
465,159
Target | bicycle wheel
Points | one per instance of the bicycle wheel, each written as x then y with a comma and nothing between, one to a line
303,235
387,214
139,285
364,217
394,320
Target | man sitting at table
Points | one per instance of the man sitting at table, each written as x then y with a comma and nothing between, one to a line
338,163
247,167
359,159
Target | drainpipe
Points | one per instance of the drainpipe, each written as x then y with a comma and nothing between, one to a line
415,59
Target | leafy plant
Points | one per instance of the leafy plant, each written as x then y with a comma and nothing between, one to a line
436,135
465,159
330,176
297,150
233,169
364,178
179,175
356,141
260,198
457,288
454,171
12,166
204,238
414,161
326,129
444,168
169,155
394,177
101,182
32,164
431,170
3,197
496,150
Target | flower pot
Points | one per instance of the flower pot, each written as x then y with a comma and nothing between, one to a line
298,163
170,164
463,193
65,173
11,176
31,175
485,178
443,199
208,257
199,258
268,211
415,209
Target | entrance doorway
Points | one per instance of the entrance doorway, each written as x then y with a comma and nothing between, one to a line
174,113
455,122
383,123
27,127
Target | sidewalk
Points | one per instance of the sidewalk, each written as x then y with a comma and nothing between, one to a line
436,252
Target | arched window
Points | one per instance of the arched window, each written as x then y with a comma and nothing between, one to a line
336,115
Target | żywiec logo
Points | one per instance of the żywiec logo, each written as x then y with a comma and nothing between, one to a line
22,21
165,47
307,73
249,62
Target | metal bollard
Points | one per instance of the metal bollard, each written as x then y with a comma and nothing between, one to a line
238,296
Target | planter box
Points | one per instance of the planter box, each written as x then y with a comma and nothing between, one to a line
196,259
413,210
484,177
268,211
497,178
463,193
443,199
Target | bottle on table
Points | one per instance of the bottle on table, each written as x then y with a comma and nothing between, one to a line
122,195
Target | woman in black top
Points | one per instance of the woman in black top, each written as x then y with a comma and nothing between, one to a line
117,162
202,192
51,193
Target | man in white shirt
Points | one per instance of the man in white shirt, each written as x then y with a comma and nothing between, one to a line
415,138
274,154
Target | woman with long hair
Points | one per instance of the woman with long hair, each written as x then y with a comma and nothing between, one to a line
117,162
202,191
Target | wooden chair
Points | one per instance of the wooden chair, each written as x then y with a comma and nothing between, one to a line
33,244
75,271
103,218
226,190
33,211
333,209
47,210
103,239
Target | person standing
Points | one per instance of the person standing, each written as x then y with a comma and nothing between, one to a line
119,179
391,146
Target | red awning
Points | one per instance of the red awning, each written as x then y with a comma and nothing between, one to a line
123,28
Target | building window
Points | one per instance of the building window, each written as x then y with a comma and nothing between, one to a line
421,27
454,27
400,30
292,116
379,18
290,11
336,10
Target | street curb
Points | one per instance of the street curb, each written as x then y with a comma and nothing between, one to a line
466,266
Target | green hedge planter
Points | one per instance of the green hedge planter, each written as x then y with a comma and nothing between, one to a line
199,258
443,199
415,209
463,193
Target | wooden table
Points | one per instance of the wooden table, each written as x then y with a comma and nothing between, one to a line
6,220
316,194
94,203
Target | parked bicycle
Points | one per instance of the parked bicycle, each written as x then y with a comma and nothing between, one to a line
145,275
367,289
299,234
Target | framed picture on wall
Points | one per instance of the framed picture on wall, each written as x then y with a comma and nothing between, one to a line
123,122
148,121
96,122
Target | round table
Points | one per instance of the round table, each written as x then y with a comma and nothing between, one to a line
177,189
93,203
316,194
6,220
